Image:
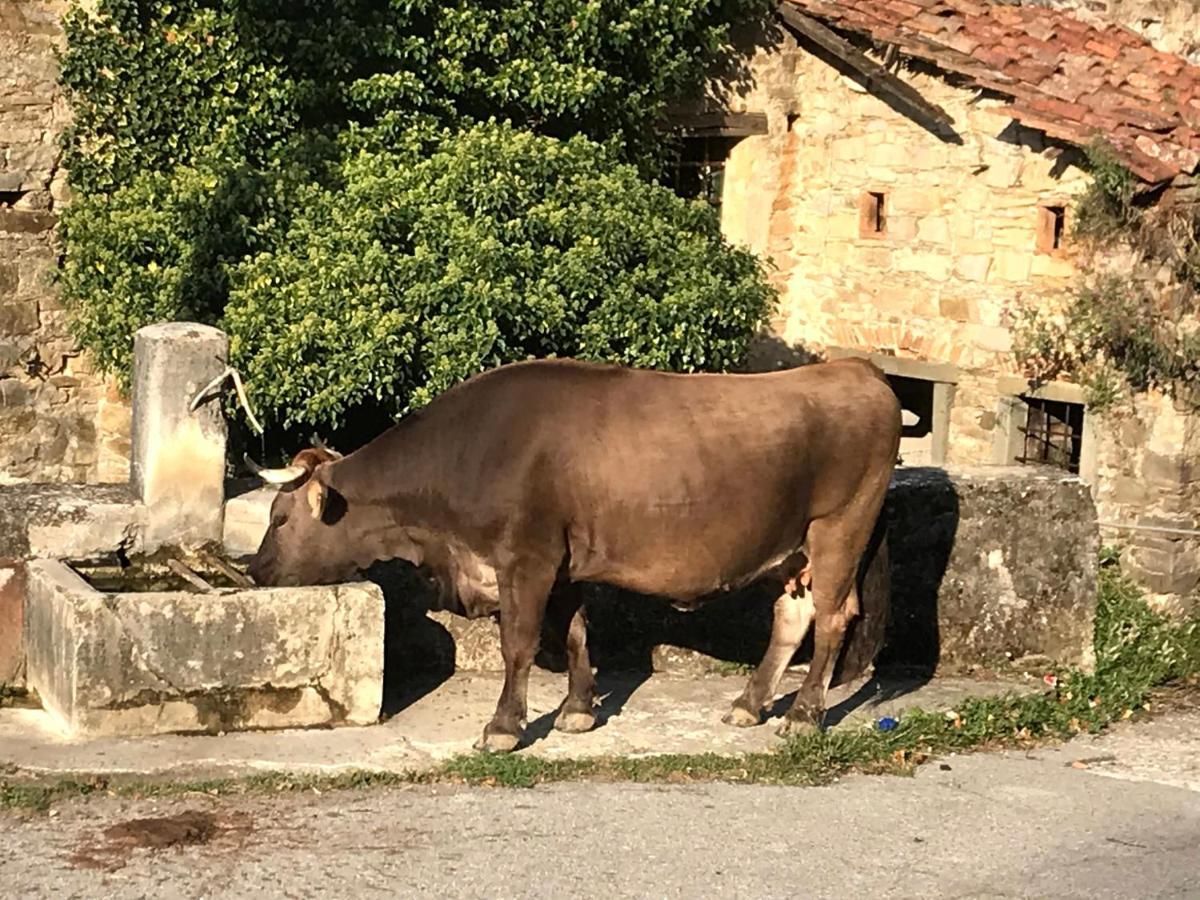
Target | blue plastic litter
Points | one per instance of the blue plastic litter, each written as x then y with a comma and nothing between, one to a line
887,723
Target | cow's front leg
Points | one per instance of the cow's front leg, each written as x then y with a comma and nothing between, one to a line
522,606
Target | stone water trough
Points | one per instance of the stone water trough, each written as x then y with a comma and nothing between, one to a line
131,619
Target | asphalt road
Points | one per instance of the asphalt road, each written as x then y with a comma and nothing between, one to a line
1123,821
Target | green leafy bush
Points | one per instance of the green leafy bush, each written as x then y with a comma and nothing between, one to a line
309,178
499,246
1110,336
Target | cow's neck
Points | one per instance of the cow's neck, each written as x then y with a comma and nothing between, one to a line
389,511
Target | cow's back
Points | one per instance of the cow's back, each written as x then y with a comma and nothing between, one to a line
668,483
675,484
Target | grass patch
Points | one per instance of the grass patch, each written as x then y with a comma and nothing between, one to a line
1136,650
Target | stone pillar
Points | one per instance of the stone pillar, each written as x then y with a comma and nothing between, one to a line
178,469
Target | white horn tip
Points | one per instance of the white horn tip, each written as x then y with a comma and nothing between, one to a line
286,475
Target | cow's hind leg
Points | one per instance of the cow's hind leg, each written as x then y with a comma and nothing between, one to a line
523,595
835,545
793,615
566,609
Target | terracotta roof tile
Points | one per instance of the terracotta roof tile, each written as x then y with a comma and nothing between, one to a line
1065,77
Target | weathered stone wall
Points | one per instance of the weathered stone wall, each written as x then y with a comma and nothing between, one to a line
937,290
1148,495
59,420
960,246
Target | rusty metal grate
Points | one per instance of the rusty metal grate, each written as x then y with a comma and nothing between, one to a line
1053,434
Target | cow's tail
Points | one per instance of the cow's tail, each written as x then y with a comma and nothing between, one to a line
865,635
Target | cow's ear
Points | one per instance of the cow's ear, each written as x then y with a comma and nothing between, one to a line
316,492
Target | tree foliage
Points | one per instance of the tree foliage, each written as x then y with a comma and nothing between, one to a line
499,246
326,180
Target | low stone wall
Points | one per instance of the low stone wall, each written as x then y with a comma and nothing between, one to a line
991,568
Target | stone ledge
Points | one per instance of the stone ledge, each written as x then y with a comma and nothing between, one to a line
246,519
152,663
64,520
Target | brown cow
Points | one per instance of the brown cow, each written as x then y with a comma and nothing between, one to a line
519,484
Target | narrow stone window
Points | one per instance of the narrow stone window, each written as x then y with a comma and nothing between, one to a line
698,167
1053,433
872,214
1052,227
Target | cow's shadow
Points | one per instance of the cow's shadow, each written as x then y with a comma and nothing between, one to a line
631,636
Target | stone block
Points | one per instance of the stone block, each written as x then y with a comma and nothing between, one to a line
9,279
14,392
10,355
991,565
18,318
152,663
1047,265
1166,470
973,267
957,308
935,266
60,520
12,616
246,519
17,221
934,229
178,467
1012,265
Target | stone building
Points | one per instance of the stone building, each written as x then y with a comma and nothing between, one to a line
909,168
59,421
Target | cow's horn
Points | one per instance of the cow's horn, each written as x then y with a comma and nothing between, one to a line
286,475
908,418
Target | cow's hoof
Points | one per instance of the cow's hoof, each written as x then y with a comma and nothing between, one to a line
741,717
794,727
497,742
574,722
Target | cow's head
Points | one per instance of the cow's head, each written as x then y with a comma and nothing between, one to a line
308,539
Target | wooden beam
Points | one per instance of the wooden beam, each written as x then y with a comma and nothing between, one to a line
875,77
718,124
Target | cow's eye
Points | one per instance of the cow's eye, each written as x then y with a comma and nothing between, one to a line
278,519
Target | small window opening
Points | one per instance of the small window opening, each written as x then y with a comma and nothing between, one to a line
872,214
698,167
1053,433
916,441
1052,228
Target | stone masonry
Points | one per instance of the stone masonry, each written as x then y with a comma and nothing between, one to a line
932,297
59,420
